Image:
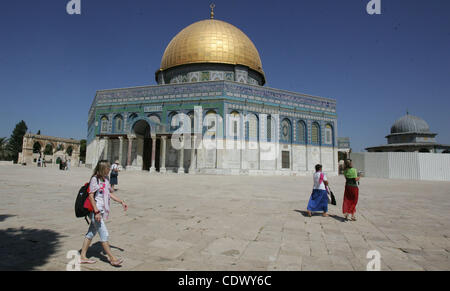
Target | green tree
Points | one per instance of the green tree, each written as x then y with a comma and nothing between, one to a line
4,153
83,150
48,149
16,140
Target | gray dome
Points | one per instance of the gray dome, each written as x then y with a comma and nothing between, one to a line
410,123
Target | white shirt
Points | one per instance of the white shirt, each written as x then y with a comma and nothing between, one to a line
103,189
316,178
114,167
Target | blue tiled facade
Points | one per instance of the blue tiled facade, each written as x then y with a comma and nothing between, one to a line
224,97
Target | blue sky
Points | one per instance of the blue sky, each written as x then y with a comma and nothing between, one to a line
375,66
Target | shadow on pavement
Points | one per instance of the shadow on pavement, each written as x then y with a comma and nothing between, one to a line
23,249
338,218
96,251
305,214
4,217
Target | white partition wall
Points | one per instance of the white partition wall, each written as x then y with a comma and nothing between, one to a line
409,166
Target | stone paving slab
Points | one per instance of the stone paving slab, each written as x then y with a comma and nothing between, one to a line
198,222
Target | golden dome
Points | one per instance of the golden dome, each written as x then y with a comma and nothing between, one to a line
211,41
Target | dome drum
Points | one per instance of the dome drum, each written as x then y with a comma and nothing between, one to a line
202,72
411,138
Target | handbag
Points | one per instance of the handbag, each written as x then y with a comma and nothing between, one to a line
331,198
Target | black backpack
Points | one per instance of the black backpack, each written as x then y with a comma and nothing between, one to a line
83,194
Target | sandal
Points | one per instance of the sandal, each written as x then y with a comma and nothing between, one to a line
353,218
87,261
116,263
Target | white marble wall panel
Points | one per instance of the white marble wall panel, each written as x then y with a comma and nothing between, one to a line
313,157
328,159
299,158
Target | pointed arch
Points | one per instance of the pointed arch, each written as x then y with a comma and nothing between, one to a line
118,123
286,131
315,133
301,132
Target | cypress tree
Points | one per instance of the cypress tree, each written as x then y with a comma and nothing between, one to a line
16,140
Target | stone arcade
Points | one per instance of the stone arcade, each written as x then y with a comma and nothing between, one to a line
50,148
211,76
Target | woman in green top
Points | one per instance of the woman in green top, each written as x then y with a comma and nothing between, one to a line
351,190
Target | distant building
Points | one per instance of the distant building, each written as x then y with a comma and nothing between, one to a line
411,134
344,151
343,145
50,149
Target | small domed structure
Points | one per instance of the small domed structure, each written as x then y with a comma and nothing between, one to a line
410,123
410,134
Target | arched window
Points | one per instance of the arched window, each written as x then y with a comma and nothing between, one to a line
301,132
104,124
269,128
211,124
118,123
315,133
286,131
191,118
251,127
174,124
234,126
328,134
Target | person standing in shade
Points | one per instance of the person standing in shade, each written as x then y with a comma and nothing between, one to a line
319,197
114,174
351,193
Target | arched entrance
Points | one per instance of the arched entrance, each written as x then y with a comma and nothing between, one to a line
145,145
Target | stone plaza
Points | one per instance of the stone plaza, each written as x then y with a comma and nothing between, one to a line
214,222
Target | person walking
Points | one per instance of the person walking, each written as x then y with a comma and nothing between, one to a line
100,192
114,174
319,197
351,193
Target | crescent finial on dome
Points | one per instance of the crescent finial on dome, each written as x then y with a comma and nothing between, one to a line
212,6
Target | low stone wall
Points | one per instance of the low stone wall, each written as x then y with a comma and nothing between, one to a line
6,163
